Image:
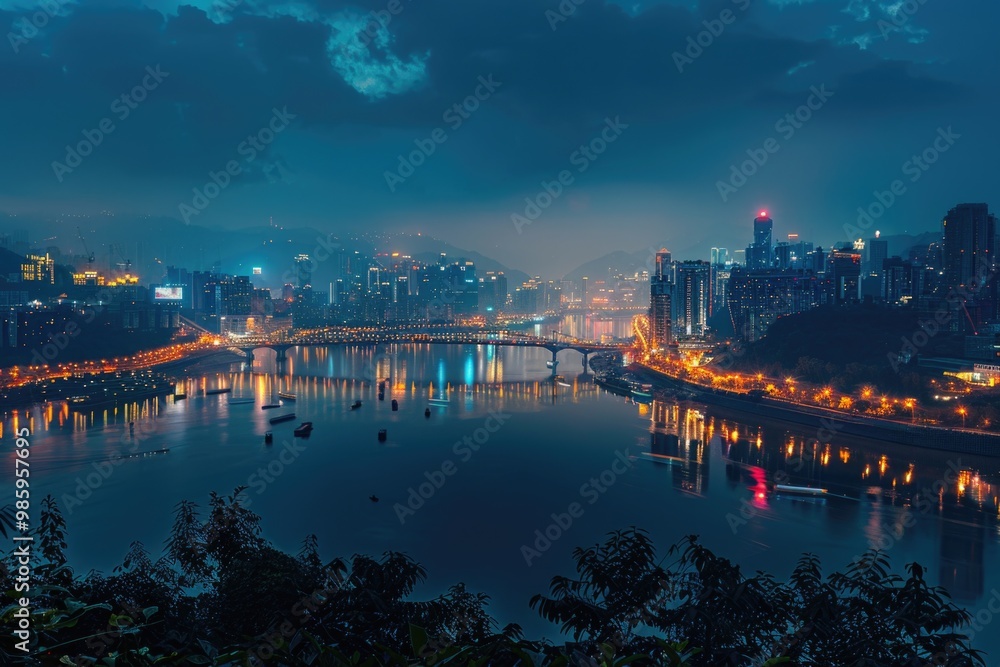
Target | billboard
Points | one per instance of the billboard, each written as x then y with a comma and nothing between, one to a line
168,293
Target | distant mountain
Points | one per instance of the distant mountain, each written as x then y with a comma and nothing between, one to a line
151,244
619,260
900,244
428,249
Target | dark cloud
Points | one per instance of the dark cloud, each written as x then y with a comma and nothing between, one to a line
358,106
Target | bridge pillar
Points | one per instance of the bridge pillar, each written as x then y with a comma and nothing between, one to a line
555,362
586,355
249,358
281,354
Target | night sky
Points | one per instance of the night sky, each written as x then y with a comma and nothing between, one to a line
895,77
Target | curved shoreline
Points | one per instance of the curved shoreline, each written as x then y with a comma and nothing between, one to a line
966,441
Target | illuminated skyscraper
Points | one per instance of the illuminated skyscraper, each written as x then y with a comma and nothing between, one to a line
759,252
660,314
693,297
660,306
758,298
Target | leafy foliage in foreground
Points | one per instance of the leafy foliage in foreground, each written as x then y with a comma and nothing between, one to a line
222,595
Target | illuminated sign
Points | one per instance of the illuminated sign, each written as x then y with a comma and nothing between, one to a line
168,293
257,270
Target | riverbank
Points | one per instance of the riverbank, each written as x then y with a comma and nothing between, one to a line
964,441
210,361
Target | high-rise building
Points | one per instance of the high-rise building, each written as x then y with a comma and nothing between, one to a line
872,281
719,256
897,281
38,268
783,255
815,261
692,297
844,271
526,298
759,253
758,298
878,252
763,230
660,314
969,254
303,269
663,265
492,292
720,286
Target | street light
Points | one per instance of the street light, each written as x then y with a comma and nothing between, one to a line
963,412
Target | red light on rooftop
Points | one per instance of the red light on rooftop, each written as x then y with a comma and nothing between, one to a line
763,214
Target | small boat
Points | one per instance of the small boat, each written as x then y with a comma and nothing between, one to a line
427,412
438,402
799,490
381,396
285,395
395,405
215,392
283,418
180,397
140,455
241,401
268,438
303,430
270,406
355,405
381,435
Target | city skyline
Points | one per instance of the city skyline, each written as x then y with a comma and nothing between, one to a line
739,236
496,332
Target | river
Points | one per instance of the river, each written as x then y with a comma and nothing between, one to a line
464,490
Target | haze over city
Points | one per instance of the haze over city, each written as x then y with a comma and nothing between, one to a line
895,79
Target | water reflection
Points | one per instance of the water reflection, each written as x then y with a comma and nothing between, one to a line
889,491
697,466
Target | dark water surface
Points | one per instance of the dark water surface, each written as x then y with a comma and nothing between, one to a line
519,450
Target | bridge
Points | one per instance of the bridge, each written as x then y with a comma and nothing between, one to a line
282,342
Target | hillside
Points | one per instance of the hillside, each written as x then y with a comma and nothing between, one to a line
845,346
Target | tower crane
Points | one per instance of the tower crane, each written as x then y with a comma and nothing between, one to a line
127,263
86,250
